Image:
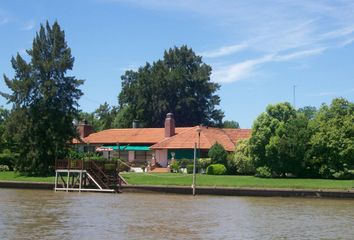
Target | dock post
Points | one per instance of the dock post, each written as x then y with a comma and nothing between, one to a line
67,181
56,181
80,181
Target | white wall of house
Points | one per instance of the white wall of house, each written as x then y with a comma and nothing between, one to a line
131,156
161,157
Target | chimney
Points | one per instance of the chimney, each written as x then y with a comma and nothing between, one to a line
135,123
169,125
84,129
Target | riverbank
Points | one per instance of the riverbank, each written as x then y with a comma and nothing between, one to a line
175,179
181,184
221,191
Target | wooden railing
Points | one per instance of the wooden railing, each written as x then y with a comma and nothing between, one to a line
104,172
69,164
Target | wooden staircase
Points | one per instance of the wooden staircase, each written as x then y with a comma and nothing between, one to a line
89,175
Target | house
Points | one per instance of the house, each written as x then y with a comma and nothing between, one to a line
143,145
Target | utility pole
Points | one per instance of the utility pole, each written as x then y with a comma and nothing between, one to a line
194,167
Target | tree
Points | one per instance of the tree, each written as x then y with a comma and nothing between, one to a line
44,101
308,111
180,83
4,115
242,160
279,138
105,115
91,120
332,143
230,124
218,154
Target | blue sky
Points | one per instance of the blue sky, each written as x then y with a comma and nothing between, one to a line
258,49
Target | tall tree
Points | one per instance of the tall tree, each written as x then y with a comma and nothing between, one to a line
105,115
230,124
44,101
4,115
332,143
279,139
180,83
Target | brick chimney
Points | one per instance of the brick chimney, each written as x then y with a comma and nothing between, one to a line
84,129
169,125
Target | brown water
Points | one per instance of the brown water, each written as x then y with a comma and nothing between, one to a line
31,214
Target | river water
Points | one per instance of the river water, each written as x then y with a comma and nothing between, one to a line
39,214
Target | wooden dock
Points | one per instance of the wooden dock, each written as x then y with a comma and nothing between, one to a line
87,175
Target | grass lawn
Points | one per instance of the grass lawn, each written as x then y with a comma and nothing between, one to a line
13,176
234,181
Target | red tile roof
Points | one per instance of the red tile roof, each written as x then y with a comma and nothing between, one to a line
208,136
184,138
129,135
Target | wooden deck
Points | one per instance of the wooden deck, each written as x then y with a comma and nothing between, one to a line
87,175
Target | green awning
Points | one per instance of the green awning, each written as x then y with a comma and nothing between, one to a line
129,148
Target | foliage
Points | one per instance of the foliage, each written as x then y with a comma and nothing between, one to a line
183,162
230,124
91,120
44,101
190,168
332,142
279,138
8,158
4,115
179,83
218,154
242,160
174,166
75,155
264,172
4,168
308,111
203,163
105,115
216,169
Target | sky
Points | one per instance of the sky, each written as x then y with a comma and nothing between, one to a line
258,50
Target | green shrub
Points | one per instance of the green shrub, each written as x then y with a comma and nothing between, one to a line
174,166
4,168
75,155
218,154
242,160
204,162
9,159
345,174
216,169
184,162
263,172
190,168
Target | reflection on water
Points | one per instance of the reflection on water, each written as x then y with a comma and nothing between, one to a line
31,214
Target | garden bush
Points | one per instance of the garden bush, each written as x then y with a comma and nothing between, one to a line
216,169
184,162
218,154
190,168
264,172
204,162
242,160
174,166
8,159
4,168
